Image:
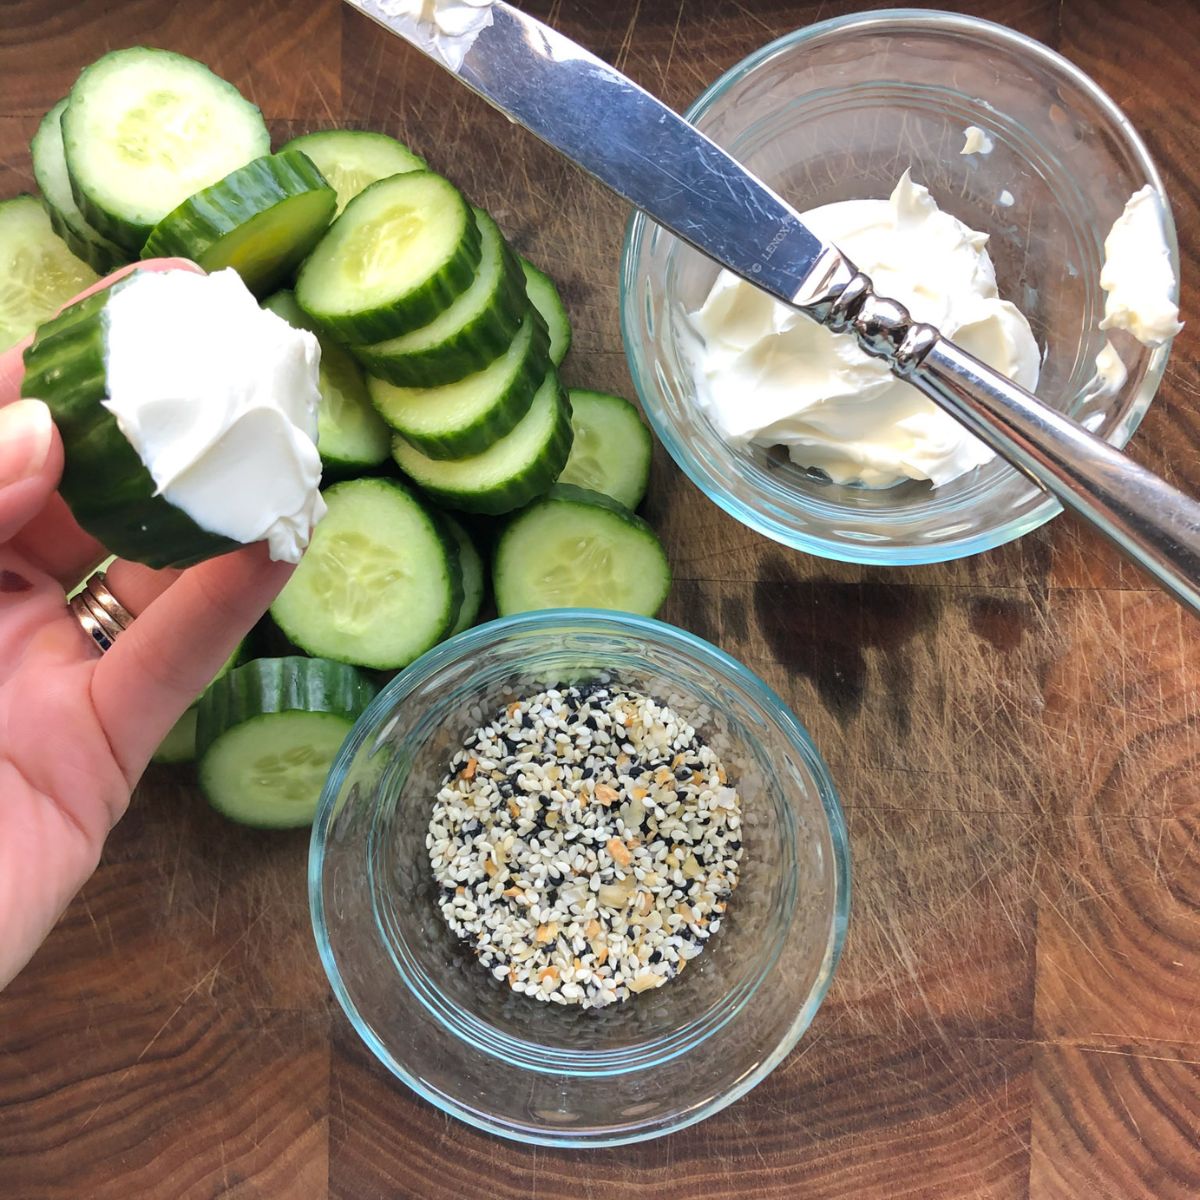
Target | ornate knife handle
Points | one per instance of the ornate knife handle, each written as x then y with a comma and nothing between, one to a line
1157,526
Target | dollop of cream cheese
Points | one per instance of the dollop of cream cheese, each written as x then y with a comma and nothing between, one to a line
1137,274
219,398
977,141
447,29
768,375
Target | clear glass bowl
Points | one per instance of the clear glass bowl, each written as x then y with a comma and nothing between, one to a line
547,1073
838,111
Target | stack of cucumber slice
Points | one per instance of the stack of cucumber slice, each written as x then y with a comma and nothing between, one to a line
440,356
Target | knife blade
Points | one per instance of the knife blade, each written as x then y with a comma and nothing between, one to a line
637,146
648,154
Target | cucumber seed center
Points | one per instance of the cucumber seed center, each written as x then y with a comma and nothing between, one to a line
350,573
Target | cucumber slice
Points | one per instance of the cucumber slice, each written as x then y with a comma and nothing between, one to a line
38,274
577,549
145,129
470,334
179,746
50,171
472,576
611,450
108,562
268,733
545,298
261,219
351,435
401,253
380,583
512,471
466,417
351,159
109,491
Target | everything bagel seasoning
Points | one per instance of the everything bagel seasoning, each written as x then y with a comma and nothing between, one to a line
586,843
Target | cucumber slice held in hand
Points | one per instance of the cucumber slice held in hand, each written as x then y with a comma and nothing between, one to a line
351,436
50,171
145,129
104,482
475,330
467,416
38,274
352,159
398,256
262,219
509,473
577,549
176,447
268,733
380,583
543,295
611,450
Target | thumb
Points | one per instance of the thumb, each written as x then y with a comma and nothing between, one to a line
30,464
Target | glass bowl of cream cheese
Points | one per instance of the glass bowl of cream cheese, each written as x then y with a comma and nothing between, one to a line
979,178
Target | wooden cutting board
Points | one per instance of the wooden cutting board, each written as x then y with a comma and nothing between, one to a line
1015,738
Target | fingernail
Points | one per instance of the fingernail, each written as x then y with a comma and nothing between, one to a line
25,433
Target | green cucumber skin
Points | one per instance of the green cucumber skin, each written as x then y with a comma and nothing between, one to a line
471,566
573,494
275,685
96,254
415,308
488,427
518,490
469,350
108,490
197,227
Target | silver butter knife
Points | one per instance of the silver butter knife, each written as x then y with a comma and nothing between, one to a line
648,154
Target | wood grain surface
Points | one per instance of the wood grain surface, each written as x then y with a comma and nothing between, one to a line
1015,738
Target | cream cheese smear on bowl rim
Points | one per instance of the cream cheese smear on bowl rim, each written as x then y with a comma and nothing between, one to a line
767,375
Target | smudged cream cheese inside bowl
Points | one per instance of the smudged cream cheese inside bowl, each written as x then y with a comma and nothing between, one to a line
219,398
770,376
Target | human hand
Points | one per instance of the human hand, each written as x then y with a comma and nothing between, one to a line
77,729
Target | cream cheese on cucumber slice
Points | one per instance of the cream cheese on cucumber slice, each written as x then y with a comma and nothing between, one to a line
219,399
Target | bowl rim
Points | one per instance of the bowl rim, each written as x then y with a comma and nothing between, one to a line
639,227
463,645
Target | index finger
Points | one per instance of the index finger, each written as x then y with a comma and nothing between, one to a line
12,365
171,652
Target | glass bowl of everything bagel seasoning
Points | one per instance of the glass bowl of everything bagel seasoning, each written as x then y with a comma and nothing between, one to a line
579,878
